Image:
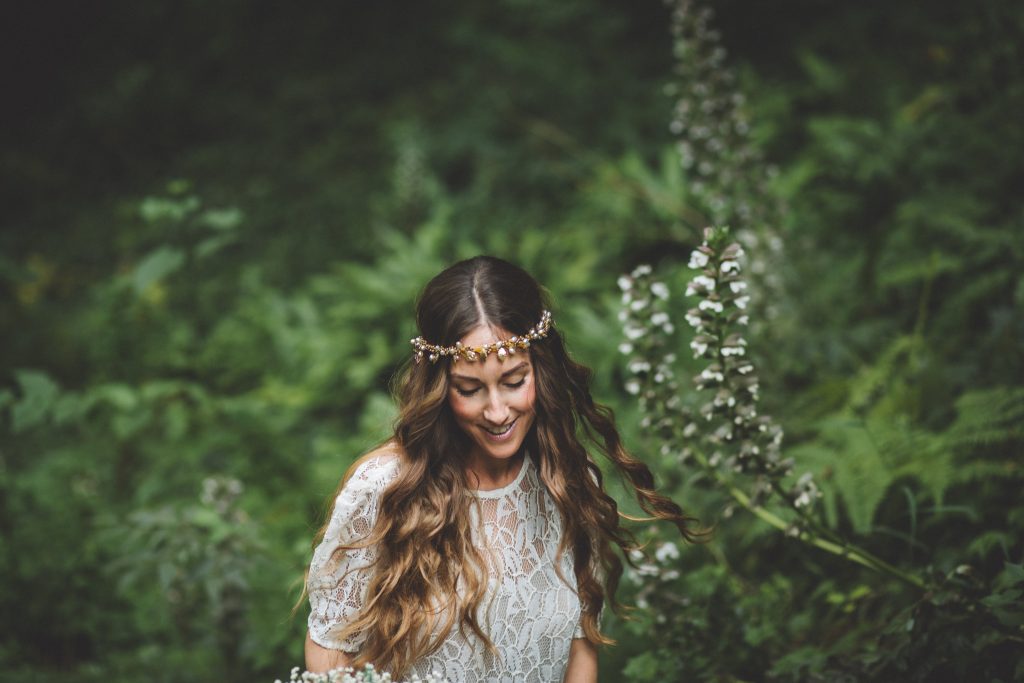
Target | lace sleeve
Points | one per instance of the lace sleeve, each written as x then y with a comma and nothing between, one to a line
338,579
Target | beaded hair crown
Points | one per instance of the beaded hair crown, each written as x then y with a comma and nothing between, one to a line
503,348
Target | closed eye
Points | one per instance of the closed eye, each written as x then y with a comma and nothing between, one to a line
470,392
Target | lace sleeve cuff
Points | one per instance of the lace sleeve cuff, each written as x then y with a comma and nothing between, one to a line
578,633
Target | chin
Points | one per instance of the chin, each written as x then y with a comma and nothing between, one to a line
502,452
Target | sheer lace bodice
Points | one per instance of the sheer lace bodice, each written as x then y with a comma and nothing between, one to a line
530,613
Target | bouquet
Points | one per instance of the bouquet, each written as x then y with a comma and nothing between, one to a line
350,675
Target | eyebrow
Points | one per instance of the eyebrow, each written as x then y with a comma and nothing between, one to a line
505,374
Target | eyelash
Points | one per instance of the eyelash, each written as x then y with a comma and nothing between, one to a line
512,385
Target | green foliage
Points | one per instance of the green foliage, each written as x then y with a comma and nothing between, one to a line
242,320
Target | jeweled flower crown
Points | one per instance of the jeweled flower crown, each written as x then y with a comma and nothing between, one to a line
504,348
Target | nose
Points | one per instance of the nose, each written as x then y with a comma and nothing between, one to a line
496,411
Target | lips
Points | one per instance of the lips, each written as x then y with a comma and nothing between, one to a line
500,435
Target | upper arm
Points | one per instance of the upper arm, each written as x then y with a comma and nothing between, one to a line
341,568
582,666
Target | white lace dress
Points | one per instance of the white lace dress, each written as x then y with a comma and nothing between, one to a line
530,614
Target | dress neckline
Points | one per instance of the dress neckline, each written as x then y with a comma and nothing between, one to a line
503,490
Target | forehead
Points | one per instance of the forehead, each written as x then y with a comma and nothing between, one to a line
485,334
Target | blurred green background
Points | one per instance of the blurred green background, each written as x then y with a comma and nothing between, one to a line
217,216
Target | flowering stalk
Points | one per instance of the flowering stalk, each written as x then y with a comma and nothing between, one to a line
708,118
725,435
728,180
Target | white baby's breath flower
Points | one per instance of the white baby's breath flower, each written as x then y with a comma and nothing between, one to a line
667,551
639,366
700,285
694,320
647,569
742,301
633,387
708,375
625,348
660,290
625,283
641,270
737,286
659,318
730,266
698,259
639,304
698,348
633,332
708,305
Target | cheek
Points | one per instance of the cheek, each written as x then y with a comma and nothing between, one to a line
462,408
529,399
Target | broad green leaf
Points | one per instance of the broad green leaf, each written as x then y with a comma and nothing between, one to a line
157,265
222,219
155,209
38,393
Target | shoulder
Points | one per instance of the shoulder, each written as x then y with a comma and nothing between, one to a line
354,508
380,465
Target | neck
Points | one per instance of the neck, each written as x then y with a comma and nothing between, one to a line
486,474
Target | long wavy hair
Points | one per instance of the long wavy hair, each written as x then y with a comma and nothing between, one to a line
423,530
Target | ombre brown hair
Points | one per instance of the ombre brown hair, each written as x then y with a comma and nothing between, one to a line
423,531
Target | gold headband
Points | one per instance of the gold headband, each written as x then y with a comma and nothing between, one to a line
504,348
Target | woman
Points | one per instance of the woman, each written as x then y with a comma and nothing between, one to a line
477,542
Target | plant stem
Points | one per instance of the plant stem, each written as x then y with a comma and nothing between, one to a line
839,547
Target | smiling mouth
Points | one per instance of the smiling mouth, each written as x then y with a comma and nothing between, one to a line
504,430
